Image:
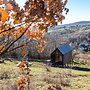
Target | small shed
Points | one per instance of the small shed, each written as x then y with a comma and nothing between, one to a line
84,46
62,55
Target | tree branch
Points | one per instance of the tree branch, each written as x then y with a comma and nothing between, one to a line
12,28
18,47
15,40
24,22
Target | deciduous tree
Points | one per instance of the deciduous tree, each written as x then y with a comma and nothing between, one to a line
31,21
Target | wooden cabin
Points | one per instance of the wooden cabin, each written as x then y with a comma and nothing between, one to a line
62,55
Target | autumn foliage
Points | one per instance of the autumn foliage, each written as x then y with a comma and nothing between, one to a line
22,65
31,21
24,80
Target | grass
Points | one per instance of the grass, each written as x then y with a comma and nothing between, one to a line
44,77
82,79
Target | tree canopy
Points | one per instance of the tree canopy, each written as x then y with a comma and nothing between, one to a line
31,21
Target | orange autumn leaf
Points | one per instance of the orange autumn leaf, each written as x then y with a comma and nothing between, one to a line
4,15
13,15
23,80
1,35
26,79
0,2
16,21
17,35
24,51
19,82
22,64
9,6
22,88
1,47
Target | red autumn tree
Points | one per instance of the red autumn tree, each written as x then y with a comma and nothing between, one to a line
32,21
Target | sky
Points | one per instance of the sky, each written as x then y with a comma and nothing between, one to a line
79,10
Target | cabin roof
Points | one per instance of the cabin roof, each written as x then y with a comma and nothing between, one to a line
64,48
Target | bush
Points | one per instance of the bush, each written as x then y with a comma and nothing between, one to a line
52,87
57,79
5,75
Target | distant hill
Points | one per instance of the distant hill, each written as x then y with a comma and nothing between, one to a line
82,22
83,25
77,23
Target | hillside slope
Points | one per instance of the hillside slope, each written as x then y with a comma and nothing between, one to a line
41,79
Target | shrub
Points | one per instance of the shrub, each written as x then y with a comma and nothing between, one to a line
57,79
5,75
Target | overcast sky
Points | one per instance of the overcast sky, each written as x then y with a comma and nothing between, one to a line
79,10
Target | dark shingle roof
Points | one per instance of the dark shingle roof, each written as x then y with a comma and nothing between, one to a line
64,48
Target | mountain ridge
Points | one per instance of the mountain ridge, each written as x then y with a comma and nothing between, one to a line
76,23
84,25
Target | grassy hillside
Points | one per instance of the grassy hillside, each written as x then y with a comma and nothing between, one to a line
44,77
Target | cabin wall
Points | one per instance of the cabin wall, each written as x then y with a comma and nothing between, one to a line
56,57
67,58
